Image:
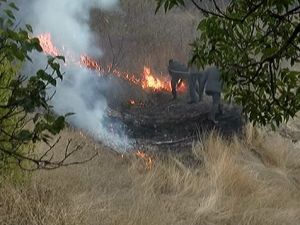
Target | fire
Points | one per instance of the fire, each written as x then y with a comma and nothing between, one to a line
182,87
47,44
131,102
147,80
89,63
148,159
151,82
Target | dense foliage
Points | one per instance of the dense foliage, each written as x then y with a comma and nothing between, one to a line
256,46
22,95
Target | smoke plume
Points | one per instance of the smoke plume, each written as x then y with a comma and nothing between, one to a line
79,92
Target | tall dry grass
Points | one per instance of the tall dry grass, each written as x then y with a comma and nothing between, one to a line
250,181
134,36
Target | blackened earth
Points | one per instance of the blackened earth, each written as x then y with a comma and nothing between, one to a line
164,123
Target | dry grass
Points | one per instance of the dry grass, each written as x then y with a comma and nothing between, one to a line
134,36
255,181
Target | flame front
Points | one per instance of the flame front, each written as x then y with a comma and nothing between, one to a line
47,44
151,82
131,102
147,80
148,160
89,63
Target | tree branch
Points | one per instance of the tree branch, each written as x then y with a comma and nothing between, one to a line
204,11
46,164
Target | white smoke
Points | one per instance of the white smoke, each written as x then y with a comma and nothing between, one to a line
79,93
67,21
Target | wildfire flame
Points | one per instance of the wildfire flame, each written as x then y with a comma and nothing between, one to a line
90,63
149,81
146,80
131,102
148,159
47,44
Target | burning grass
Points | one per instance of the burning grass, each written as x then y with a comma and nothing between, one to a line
254,181
147,80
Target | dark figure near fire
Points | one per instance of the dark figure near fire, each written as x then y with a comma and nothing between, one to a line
178,73
210,81
195,84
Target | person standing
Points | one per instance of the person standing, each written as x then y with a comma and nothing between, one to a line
195,77
178,72
213,84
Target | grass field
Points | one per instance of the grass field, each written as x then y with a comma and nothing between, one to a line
254,181
238,182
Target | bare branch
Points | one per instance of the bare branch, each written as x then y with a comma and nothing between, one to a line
222,14
115,56
46,164
50,148
205,11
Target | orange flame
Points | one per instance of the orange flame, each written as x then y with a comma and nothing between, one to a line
89,63
47,44
148,160
152,82
146,80
131,102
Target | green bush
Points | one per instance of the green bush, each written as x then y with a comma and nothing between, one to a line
256,46
21,95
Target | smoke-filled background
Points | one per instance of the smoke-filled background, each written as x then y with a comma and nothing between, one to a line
124,33
68,23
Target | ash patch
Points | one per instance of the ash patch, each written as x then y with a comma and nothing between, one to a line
161,123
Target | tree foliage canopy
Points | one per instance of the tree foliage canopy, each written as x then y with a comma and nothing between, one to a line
256,45
22,96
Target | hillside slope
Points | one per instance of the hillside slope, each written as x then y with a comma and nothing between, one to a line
255,181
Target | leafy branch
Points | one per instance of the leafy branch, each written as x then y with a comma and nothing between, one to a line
256,45
25,114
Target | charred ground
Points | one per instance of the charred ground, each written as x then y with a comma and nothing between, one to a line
155,121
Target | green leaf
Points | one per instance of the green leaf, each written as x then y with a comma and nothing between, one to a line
13,5
50,118
168,4
69,114
268,52
202,25
24,135
36,44
56,66
29,28
61,58
50,59
41,74
10,14
58,125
